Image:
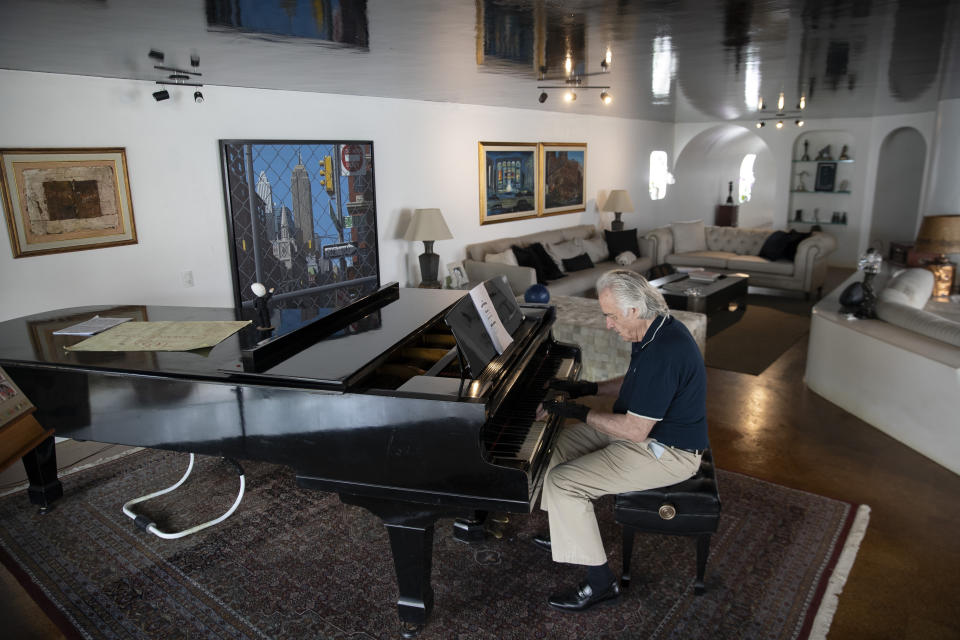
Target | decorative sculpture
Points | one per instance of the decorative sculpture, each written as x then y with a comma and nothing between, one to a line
806,151
801,186
261,304
869,263
825,154
843,153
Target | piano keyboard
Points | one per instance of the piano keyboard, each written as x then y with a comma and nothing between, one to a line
513,436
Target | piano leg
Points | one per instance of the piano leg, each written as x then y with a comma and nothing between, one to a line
41,466
410,527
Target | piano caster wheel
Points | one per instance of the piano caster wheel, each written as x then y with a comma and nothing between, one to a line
410,629
44,510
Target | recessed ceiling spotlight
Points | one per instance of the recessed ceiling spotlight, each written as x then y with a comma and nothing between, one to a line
197,97
163,94
543,97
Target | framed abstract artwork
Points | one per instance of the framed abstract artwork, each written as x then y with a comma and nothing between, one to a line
563,170
826,176
302,221
59,200
508,181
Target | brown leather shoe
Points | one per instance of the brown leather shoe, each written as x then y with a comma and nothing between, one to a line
583,597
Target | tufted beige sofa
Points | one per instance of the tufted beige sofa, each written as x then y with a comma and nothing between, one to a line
577,283
735,250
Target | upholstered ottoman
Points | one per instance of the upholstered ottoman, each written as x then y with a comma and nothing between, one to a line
688,508
605,354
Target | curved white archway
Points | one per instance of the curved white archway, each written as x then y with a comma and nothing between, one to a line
896,200
712,159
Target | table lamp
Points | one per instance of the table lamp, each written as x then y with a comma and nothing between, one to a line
427,226
618,202
940,235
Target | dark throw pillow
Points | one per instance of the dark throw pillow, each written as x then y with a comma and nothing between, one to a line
793,241
578,263
620,241
550,269
530,257
774,246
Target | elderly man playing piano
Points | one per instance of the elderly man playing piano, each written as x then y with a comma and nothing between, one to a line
653,438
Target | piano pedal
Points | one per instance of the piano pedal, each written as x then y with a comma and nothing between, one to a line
496,532
501,518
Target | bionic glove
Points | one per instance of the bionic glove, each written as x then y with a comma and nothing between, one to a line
574,388
567,409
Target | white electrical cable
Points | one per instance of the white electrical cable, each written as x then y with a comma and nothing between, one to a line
152,527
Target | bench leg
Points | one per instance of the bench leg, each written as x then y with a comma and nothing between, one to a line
628,533
703,550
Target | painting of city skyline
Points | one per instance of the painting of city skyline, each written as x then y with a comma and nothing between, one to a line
302,222
564,170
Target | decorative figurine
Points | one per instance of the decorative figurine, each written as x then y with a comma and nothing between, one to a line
730,192
844,185
870,265
798,217
843,218
816,215
800,184
843,153
261,304
825,154
806,151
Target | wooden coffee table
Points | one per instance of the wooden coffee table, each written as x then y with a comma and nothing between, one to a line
724,301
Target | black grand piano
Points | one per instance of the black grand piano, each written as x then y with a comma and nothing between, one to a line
398,402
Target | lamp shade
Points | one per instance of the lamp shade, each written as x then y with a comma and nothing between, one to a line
939,234
618,200
427,224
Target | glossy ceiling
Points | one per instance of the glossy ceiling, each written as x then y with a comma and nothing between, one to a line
683,61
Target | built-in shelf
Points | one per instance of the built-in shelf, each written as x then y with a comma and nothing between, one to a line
816,161
823,193
836,224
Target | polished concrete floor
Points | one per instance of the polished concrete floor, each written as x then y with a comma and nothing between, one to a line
905,582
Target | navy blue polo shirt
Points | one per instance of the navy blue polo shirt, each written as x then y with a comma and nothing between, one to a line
667,381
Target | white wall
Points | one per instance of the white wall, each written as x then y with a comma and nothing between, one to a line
425,153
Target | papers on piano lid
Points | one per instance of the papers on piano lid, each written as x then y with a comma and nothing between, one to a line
90,327
491,320
162,336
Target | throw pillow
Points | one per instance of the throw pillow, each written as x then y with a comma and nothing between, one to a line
620,241
504,257
578,263
688,236
774,246
911,287
596,248
625,258
550,269
793,241
562,251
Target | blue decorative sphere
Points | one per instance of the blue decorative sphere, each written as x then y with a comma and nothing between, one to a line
537,294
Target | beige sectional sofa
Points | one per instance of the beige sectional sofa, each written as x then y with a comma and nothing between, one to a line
575,283
735,250
899,372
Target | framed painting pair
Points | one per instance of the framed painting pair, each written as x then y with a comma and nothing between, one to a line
527,179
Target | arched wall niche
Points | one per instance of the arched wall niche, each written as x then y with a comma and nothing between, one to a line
709,161
896,199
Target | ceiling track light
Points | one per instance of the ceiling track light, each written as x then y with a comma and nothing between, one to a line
782,115
571,91
177,77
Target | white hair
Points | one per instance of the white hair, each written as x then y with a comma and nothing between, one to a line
631,290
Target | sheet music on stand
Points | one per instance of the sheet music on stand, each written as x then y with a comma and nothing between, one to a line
483,323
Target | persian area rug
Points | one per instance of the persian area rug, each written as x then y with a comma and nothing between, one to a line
294,563
769,326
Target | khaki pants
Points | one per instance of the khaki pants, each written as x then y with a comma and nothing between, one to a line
587,464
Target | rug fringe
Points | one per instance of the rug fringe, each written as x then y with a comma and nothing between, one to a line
831,596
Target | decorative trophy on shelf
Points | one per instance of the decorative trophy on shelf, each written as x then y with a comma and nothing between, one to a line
843,153
806,151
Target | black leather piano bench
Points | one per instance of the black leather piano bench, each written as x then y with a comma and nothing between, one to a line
688,508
